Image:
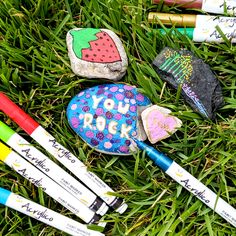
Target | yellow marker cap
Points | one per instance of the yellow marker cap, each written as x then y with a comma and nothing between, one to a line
4,152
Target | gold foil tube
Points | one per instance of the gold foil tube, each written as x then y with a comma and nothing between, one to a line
184,20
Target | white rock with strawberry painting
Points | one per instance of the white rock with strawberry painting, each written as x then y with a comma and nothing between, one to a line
96,53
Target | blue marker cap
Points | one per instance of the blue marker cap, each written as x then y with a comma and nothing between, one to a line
159,158
4,194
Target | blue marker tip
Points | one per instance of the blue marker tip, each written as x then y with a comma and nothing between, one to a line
159,158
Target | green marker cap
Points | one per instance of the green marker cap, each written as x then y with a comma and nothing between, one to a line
185,31
5,132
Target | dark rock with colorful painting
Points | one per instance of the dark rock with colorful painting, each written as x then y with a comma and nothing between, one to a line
96,53
199,86
107,116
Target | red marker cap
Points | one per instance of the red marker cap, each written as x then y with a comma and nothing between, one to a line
184,3
17,114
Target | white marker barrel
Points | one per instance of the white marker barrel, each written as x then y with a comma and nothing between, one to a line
45,215
54,190
207,21
77,168
218,6
212,35
56,173
203,193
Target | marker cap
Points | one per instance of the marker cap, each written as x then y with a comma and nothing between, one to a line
4,151
103,209
185,20
119,205
184,3
185,31
17,114
4,194
121,209
5,132
99,206
159,158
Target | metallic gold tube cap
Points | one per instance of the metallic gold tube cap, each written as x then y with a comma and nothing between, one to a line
184,20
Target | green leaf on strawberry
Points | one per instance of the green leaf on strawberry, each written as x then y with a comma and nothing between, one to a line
94,45
82,38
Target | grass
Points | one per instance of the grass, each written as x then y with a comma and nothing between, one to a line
35,73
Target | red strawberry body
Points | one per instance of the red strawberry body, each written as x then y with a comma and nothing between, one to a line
102,50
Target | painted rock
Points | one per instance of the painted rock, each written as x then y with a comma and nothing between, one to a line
199,86
158,123
96,53
107,116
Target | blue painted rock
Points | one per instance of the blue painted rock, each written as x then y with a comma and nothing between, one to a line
96,53
107,116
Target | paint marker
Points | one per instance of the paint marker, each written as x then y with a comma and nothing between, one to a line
210,35
44,214
195,21
36,177
40,135
216,6
51,169
190,183
202,35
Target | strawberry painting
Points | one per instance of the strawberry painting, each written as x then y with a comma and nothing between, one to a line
94,45
96,53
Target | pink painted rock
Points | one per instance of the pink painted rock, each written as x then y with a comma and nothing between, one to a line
158,123
96,53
